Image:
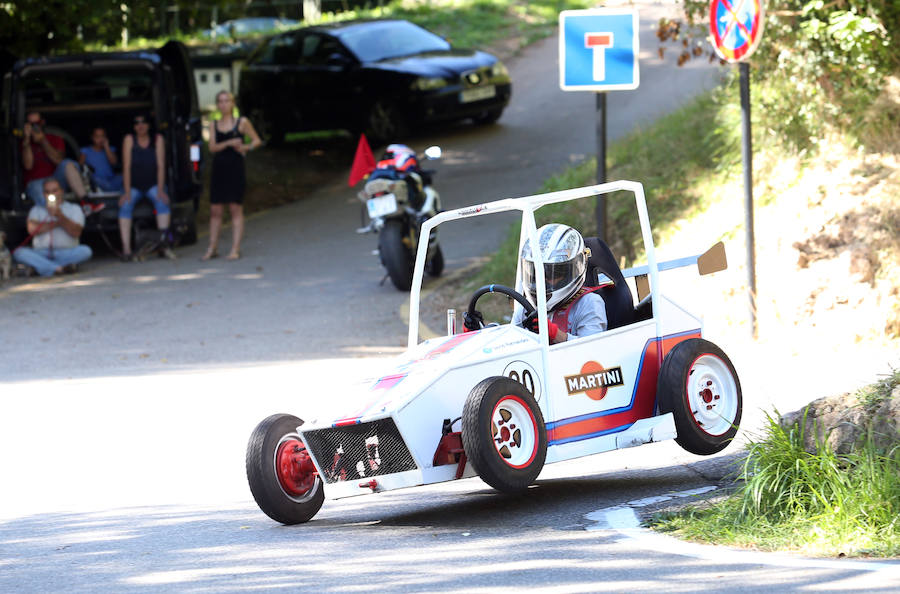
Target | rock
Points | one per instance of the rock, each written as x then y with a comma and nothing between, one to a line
841,421
886,421
862,267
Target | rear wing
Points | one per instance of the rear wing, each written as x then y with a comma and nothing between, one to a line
712,260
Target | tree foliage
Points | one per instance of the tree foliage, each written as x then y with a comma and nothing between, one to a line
55,26
820,62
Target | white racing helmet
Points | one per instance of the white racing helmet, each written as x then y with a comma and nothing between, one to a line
565,264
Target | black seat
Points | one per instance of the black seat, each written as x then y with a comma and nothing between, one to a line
617,297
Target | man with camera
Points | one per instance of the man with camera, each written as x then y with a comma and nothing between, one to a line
43,156
55,229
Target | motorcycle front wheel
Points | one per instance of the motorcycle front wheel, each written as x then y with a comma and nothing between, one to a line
395,255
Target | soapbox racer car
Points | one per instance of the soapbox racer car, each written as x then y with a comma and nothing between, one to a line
501,402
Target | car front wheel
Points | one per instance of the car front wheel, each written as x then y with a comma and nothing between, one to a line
503,434
282,476
487,117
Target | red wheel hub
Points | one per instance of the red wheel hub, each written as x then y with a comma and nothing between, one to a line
294,468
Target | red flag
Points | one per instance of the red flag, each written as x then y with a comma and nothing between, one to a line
363,162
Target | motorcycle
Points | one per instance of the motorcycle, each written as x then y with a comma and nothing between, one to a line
399,197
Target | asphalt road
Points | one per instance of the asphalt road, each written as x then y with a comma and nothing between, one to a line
129,391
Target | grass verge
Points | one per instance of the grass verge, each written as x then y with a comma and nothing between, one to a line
816,503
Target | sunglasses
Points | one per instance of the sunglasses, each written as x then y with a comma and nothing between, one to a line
140,121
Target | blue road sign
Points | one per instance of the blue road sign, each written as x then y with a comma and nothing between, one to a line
598,49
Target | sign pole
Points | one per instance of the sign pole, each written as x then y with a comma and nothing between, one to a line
600,209
747,156
735,32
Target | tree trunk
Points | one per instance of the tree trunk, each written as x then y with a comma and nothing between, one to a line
312,11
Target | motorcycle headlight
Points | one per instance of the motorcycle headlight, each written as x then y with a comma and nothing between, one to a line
499,70
428,84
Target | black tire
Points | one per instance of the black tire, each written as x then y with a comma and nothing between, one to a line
188,234
488,117
265,128
435,266
386,122
395,255
272,497
515,469
699,386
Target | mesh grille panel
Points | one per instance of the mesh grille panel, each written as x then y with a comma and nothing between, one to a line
360,451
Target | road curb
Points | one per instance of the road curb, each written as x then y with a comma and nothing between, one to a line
624,520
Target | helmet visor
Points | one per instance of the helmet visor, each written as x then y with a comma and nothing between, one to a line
557,275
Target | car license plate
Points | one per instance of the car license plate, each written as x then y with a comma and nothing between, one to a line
381,206
477,94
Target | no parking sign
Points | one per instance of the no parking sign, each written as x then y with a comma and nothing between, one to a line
736,27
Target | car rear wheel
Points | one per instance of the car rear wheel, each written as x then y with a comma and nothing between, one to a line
266,129
503,434
700,387
282,476
386,123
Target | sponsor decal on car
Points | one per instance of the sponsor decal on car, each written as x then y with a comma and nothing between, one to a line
504,345
471,211
594,380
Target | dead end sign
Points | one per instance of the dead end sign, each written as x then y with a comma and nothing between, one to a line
598,49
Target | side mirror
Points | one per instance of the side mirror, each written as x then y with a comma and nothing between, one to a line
433,152
338,60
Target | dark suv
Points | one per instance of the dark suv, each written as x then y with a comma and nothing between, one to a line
75,93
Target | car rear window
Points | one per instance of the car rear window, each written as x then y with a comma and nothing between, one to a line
66,88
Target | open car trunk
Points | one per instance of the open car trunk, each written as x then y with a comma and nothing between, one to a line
75,94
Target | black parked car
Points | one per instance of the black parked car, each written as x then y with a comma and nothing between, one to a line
380,77
77,92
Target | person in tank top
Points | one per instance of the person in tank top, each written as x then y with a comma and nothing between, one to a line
144,177
228,179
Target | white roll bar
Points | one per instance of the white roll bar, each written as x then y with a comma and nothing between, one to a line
527,205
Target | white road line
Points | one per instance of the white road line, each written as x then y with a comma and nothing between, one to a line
625,521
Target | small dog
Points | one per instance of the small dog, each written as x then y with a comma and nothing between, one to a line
5,259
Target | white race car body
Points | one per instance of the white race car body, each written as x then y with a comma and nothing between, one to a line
596,393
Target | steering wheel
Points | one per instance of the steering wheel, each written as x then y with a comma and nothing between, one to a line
512,293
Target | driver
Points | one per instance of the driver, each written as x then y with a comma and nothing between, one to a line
573,309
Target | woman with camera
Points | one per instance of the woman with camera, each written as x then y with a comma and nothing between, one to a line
228,180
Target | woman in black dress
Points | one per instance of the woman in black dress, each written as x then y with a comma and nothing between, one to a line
227,181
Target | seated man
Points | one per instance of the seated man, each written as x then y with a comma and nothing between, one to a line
55,230
573,310
101,157
43,157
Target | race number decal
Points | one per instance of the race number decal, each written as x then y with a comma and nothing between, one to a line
522,372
